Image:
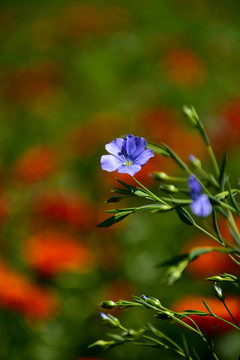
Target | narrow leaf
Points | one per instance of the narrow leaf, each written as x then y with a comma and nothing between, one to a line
184,216
222,176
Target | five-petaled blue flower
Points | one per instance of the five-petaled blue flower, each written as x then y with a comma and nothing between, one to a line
127,156
201,205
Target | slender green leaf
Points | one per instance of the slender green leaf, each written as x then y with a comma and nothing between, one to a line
184,216
222,176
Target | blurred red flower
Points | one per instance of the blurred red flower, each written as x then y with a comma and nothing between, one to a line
80,20
206,323
227,133
18,293
184,67
52,252
4,208
30,83
66,208
35,164
163,125
115,18
212,263
88,137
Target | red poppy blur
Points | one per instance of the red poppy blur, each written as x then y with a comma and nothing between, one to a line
4,208
25,85
227,134
212,263
119,289
51,253
80,20
18,294
184,67
231,114
163,125
90,136
35,164
114,18
66,208
206,323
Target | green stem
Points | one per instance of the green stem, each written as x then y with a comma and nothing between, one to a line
153,196
230,314
179,352
208,233
214,161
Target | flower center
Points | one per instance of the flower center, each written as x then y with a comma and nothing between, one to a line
128,162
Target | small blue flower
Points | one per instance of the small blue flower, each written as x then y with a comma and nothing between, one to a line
127,156
103,316
201,205
195,187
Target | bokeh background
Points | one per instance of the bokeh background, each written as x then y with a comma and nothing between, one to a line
73,76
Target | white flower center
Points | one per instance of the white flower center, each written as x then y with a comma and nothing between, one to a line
128,162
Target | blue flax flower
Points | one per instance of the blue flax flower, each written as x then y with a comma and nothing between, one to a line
201,205
127,156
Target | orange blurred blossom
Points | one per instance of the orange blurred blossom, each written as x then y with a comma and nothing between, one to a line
206,323
35,164
52,252
65,207
18,293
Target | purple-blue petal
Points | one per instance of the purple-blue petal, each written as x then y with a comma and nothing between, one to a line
110,162
129,146
115,146
195,187
141,145
131,169
144,157
201,207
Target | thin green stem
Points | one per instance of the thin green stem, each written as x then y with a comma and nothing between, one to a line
178,351
230,314
153,196
214,161
208,233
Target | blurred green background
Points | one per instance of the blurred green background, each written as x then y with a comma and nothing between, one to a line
75,75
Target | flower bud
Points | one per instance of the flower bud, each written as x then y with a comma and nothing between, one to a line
102,344
219,293
196,163
169,188
151,300
109,304
160,175
110,320
191,115
163,316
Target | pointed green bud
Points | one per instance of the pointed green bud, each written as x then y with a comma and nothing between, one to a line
196,163
109,304
169,188
102,344
191,114
110,320
160,175
151,301
219,293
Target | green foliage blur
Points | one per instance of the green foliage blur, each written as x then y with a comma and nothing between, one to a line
74,76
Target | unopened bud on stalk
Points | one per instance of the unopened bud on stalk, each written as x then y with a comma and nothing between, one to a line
102,344
110,320
196,163
109,304
160,175
169,188
191,114
219,293
151,300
